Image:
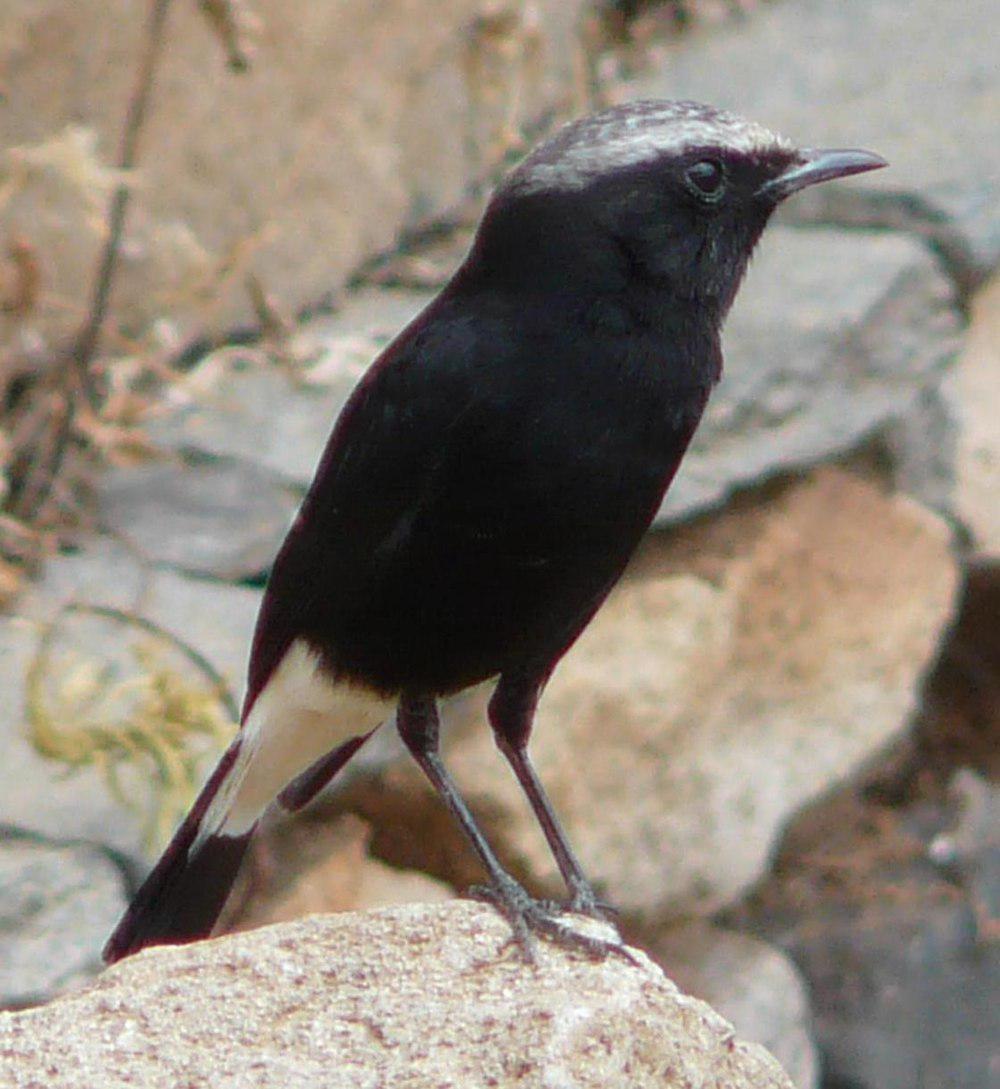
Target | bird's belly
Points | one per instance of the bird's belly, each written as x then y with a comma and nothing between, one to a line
467,597
457,623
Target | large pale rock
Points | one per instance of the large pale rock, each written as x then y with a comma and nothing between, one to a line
353,119
419,996
739,671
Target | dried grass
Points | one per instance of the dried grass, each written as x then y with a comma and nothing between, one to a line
146,733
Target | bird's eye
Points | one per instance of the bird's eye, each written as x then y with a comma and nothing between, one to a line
706,179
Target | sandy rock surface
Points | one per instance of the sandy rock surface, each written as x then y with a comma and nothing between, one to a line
751,984
419,997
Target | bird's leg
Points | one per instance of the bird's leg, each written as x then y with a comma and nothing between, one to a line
419,728
512,711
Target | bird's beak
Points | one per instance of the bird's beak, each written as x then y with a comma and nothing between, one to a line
812,166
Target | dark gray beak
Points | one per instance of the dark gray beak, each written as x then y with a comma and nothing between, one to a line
813,166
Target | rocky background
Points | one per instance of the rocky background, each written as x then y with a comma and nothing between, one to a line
789,708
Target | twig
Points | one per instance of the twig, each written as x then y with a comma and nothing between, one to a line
48,456
234,25
86,344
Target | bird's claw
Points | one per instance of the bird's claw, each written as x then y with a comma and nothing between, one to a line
585,901
529,917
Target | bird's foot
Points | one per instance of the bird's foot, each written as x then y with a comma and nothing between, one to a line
529,917
585,901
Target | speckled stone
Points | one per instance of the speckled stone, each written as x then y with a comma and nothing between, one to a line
418,996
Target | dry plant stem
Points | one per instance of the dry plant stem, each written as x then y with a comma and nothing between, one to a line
232,21
48,446
89,337
49,453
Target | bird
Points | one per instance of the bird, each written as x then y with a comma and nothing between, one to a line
487,481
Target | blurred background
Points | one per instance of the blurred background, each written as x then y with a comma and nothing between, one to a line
214,214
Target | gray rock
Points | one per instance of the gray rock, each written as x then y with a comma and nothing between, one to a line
240,405
750,983
65,796
834,336
909,997
422,996
366,315
57,906
220,517
971,849
923,446
870,75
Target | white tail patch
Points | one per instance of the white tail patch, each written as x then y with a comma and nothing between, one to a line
299,716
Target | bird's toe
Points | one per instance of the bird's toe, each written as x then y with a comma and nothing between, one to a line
529,917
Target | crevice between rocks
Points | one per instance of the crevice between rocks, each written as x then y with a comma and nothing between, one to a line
858,209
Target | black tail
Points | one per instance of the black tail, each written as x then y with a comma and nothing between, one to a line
185,892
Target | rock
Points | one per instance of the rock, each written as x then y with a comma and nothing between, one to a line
738,671
421,996
750,983
220,518
237,404
834,337
817,72
972,847
971,393
350,124
57,783
921,448
58,903
883,909
959,720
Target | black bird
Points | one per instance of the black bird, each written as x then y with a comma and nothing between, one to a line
489,478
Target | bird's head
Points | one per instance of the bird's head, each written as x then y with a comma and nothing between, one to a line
672,193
